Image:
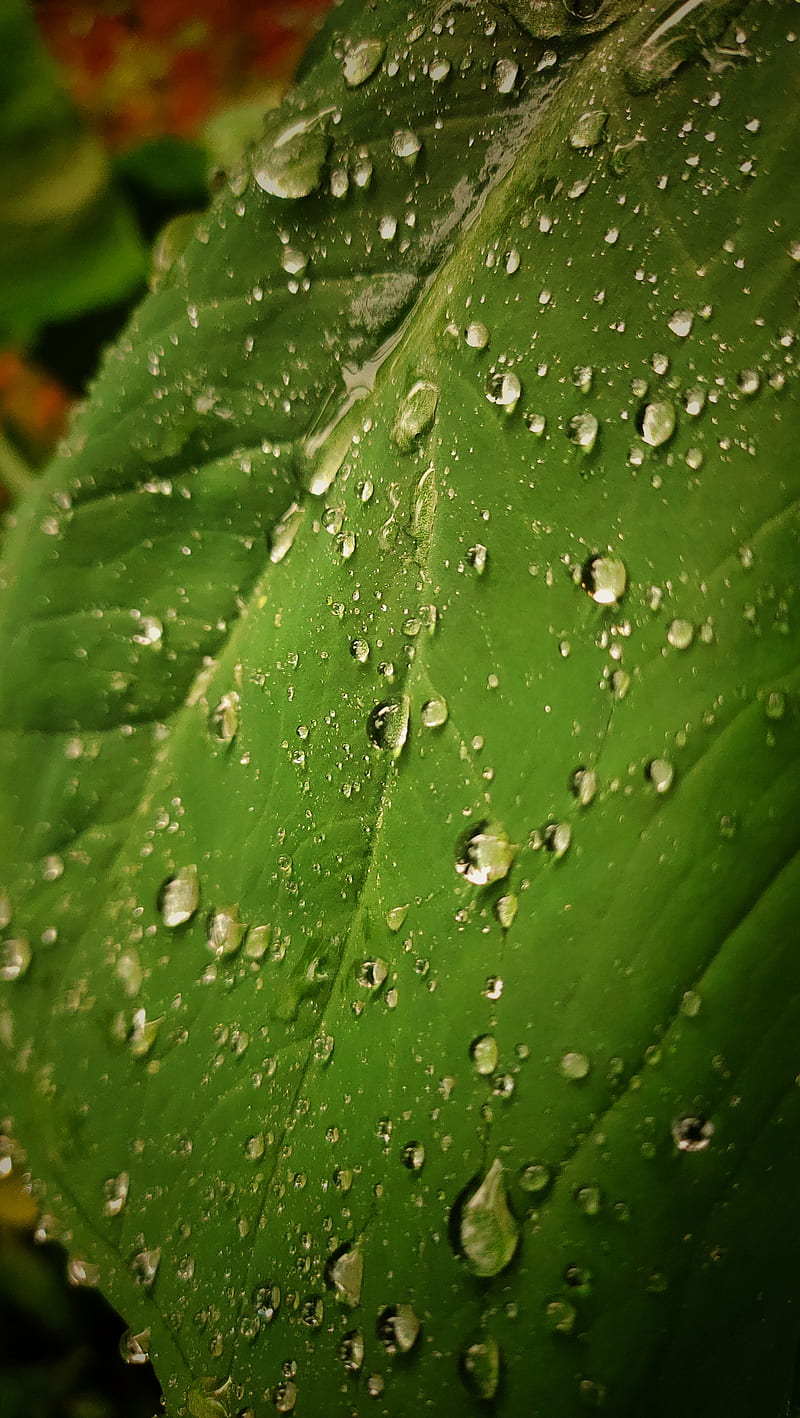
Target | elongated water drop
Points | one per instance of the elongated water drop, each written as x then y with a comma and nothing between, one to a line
488,1233
291,157
180,897
387,725
361,60
415,415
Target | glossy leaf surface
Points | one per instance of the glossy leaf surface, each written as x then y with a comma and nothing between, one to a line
401,692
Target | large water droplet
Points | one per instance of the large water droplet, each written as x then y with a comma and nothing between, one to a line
488,1233
225,932
135,1348
144,1266
480,1367
657,423
344,1274
398,1328
415,415
575,1066
692,1133
680,634
485,855
115,1194
582,430
291,157
180,897
434,713
360,61
605,578
587,130
387,725
284,532
351,1351
484,1054
503,387
661,774
15,958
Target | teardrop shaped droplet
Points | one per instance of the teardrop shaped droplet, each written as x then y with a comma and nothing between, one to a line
387,725
180,897
415,415
291,157
360,61
488,1233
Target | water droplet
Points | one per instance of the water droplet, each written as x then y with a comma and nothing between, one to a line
413,1156
398,1328
255,1147
344,1274
480,1367
605,578
15,958
143,1034
346,544
406,143
587,130
375,1385
505,73
557,838
484,1054
6,910
52,868
415,415
506,910
361,60
661,774
395,918
83,1272
691,1003
692,1134
477,335
284,532
144,1266
582,430
387,725
680,634
351,1351
535,1177
312,1312
583,784
657,423
206,1398
503,387
488,1233
115,1194
560,1316
135,1348
291,156
439,70
423,506
293,261
484,855
575,1066
359,649
225,932
478,557
589,1200
681,322
225,717
284,1395
775,704
434,713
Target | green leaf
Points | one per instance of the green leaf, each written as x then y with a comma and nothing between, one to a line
400,707
68,242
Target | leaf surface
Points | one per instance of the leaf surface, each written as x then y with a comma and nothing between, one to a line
419,595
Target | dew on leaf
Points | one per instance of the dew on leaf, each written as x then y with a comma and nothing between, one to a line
284,532
344,1274
434,713
582,430
535,1177
504,388
488,1233
293,261
255,1147
657,423
406,144
506,909
351,1350
605,578
748,382
142,1034
691,1003
560,1316
395,917
291,156
387,725
680,634
478,557
680,323
413,1156
415,415
505,73
6,910
361,60
661,774
484,855
115,1194
398,1328
588,128
557,838
484,1054
206,1398
359,649
225,717
692,1133
575,1066
589,1200
284,1395
346,545
135,1348
477,335
583,785
15,958
144,1266
480,1367
775,704
225,932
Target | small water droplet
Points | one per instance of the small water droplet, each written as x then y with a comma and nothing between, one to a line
351,1351
225,932
506,910
15,958
359,649
583,784
346,545
484,1054
293,261
680,323
387,725
284,532
560,1316
361,60
748,382
488,1233
144,1266
413,1156
657,423
557,838
775,704
135,1348
398,1328
692,1133
478,557
484,855
142,1034
477,335
225,717
535,1177
605,578
589,1200
691,1003
179,897
503,387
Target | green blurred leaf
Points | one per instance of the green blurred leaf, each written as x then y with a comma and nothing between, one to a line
401,703
67,240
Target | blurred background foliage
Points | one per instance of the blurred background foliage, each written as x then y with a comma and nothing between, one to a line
116,119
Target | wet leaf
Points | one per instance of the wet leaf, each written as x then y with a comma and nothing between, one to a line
261,558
